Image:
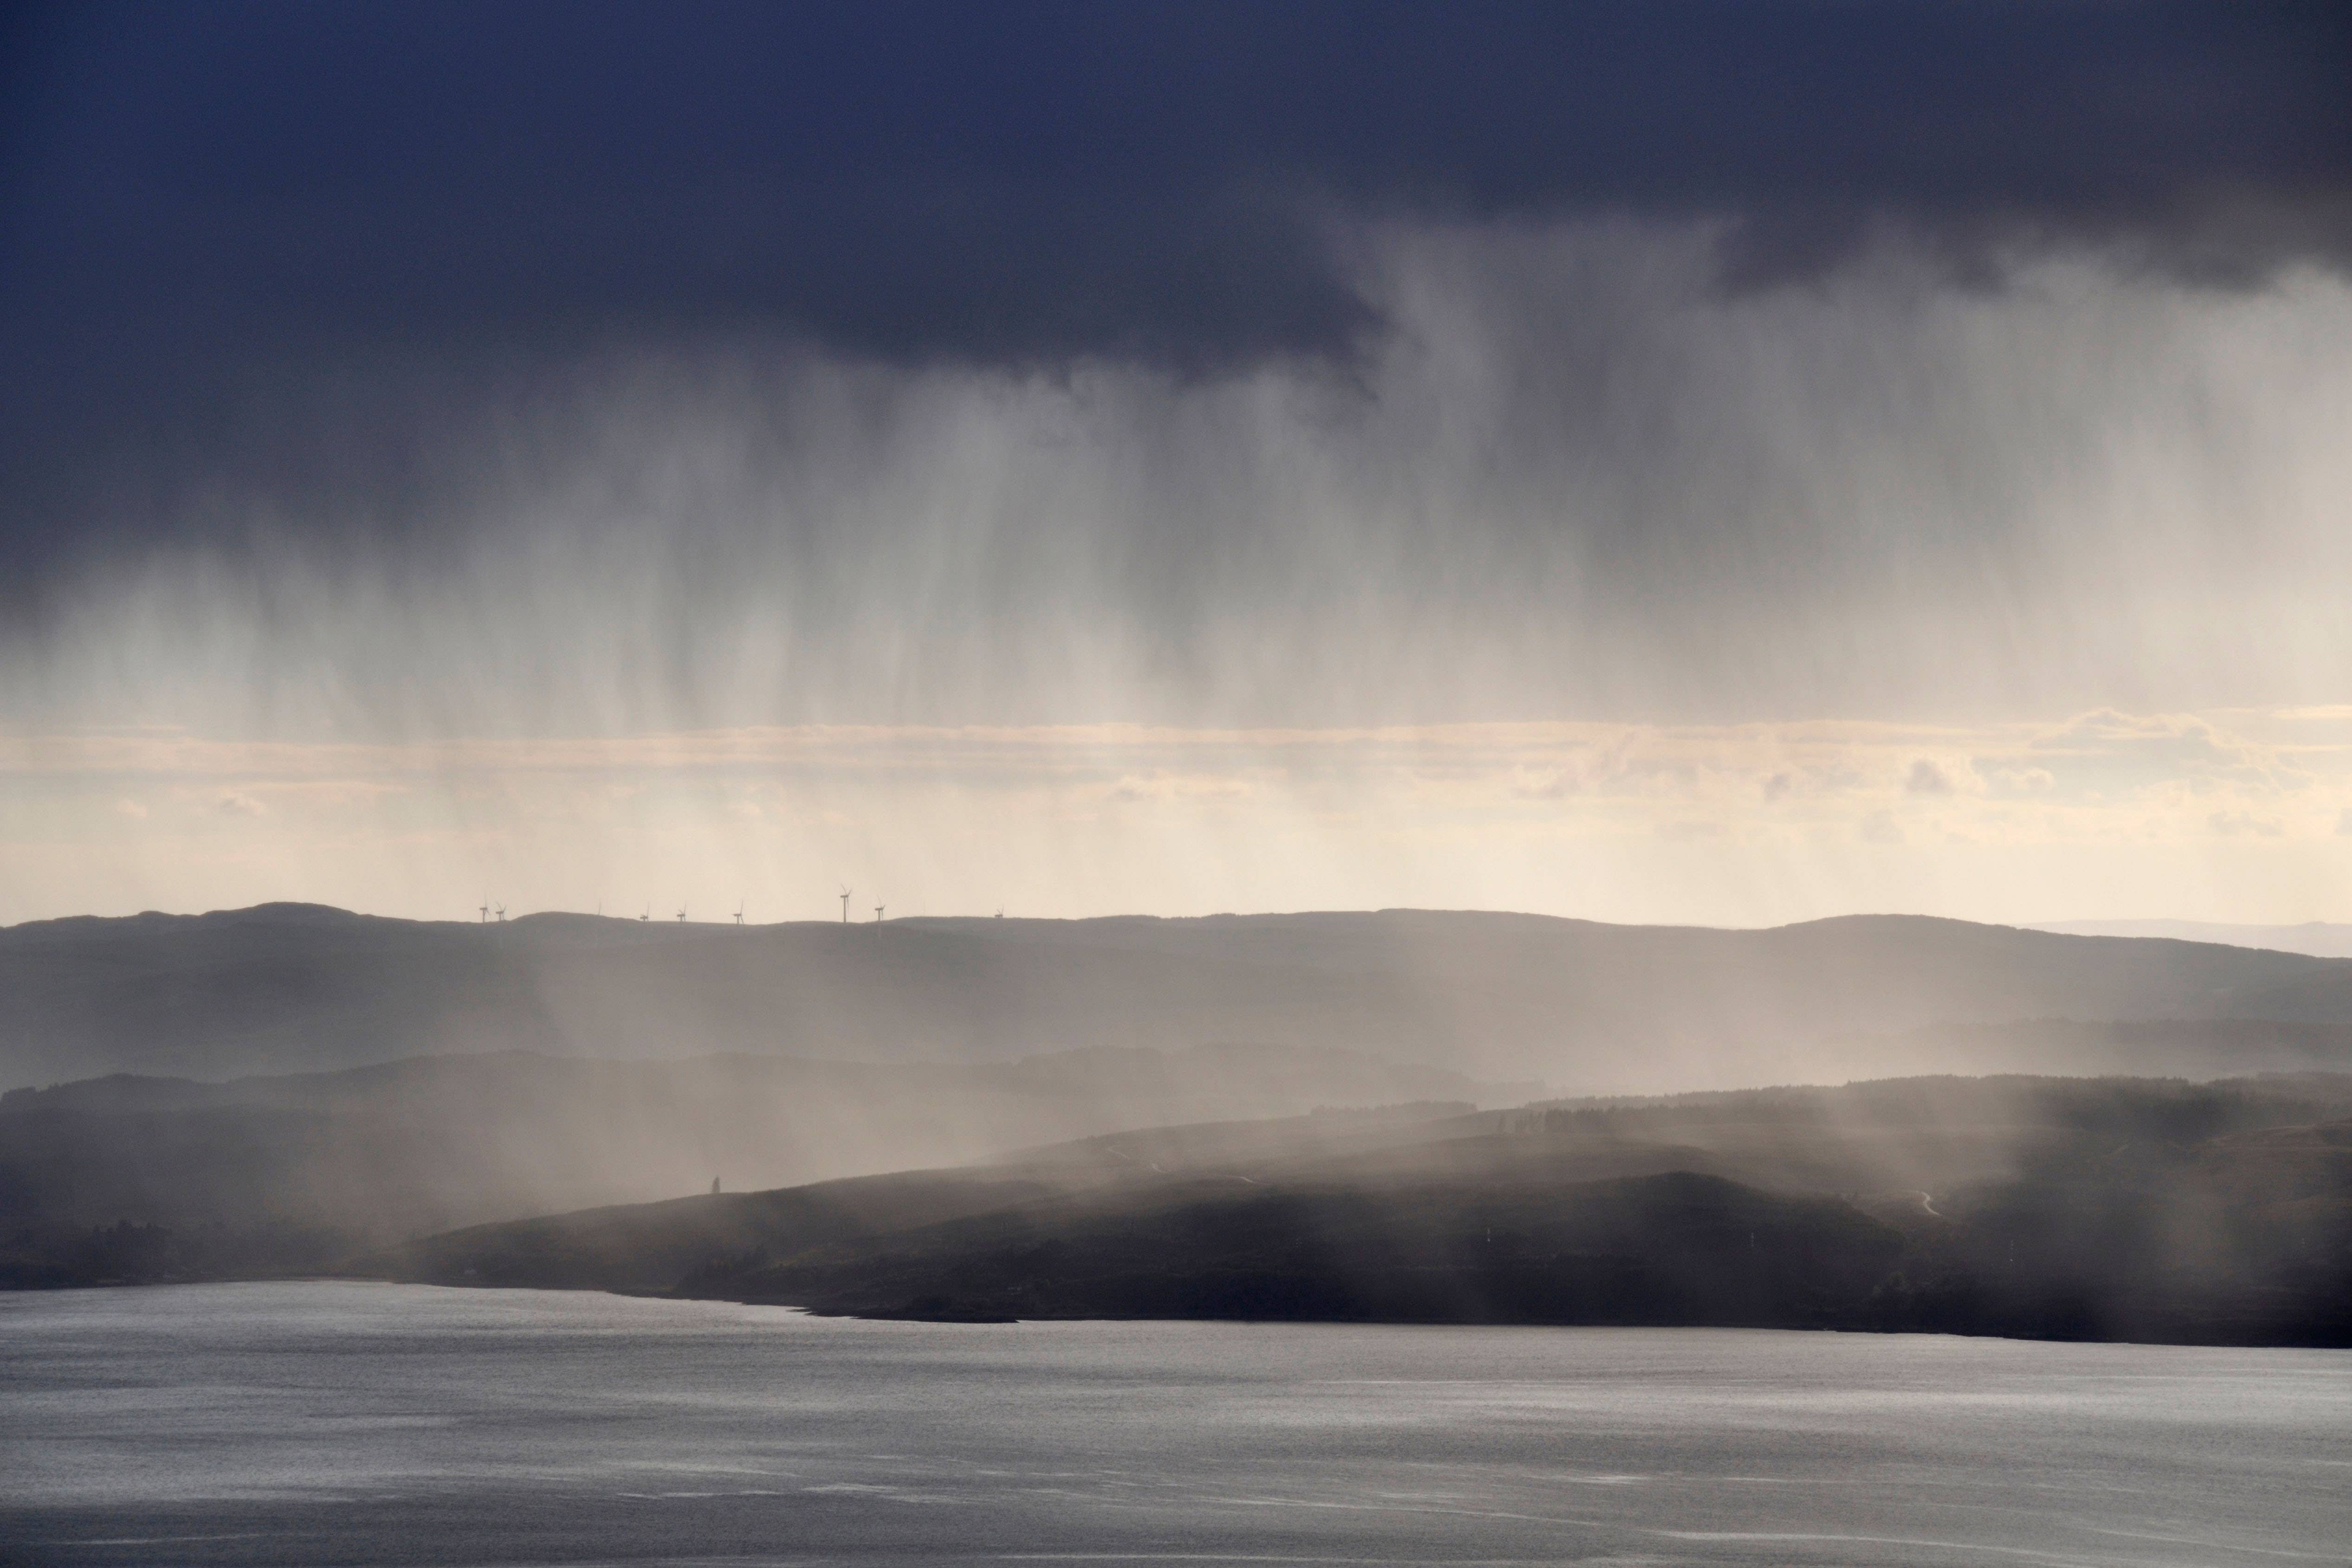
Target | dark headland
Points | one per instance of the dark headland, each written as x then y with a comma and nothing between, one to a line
2128,1209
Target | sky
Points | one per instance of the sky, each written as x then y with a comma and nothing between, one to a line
1715,464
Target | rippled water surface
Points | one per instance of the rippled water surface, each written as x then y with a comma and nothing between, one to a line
321,1423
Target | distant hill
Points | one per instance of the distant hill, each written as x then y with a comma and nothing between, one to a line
303,1168
2046,1208
289,988
2318,938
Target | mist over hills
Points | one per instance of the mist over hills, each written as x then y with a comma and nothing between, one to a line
296,1170
2049,1207
285,988
264,1089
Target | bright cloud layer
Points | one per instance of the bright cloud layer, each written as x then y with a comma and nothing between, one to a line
2236,811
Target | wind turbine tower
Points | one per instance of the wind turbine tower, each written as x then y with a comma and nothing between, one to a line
681,915
739,911
486,912
502,915
845,904
878,914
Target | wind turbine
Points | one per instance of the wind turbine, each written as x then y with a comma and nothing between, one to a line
878,914
681,915
739,911
649,915
486,912
845,903
502,915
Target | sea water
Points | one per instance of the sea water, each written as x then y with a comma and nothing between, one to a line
347,1423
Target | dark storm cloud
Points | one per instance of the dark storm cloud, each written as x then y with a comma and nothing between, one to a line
1014,181
267,248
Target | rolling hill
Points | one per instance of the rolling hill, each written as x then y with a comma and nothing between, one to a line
1592,1007
2107,1208
290,1172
